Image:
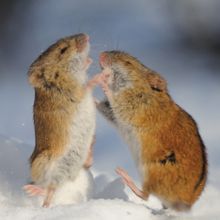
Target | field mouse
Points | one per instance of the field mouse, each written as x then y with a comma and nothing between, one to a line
164,139
64,115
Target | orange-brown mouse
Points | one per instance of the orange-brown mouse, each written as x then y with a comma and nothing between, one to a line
164,139
64,115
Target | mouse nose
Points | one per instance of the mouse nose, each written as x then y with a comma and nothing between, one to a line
102,59
87,37
81,41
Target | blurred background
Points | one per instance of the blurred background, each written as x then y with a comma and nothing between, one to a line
179,39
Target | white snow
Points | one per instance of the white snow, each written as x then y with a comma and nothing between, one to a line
111,200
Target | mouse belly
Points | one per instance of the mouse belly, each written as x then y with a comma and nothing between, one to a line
81,137
130,137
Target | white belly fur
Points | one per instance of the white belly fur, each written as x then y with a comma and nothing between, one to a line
81,135
77,191
130,137
83,127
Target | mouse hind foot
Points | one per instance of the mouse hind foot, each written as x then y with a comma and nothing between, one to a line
34,190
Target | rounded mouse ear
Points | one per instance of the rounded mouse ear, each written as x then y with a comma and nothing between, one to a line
157,82
36,77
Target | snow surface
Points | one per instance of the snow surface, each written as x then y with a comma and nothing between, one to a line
110,201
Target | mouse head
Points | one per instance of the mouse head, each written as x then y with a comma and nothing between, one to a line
126,71
65,60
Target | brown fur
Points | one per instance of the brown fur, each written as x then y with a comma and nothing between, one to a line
173,155
57,94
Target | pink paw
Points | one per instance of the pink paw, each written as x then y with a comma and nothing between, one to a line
33,190
94,81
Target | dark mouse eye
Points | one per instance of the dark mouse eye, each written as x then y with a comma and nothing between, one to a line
156,89
128,63
62,51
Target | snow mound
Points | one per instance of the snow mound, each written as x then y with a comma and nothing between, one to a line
110,200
